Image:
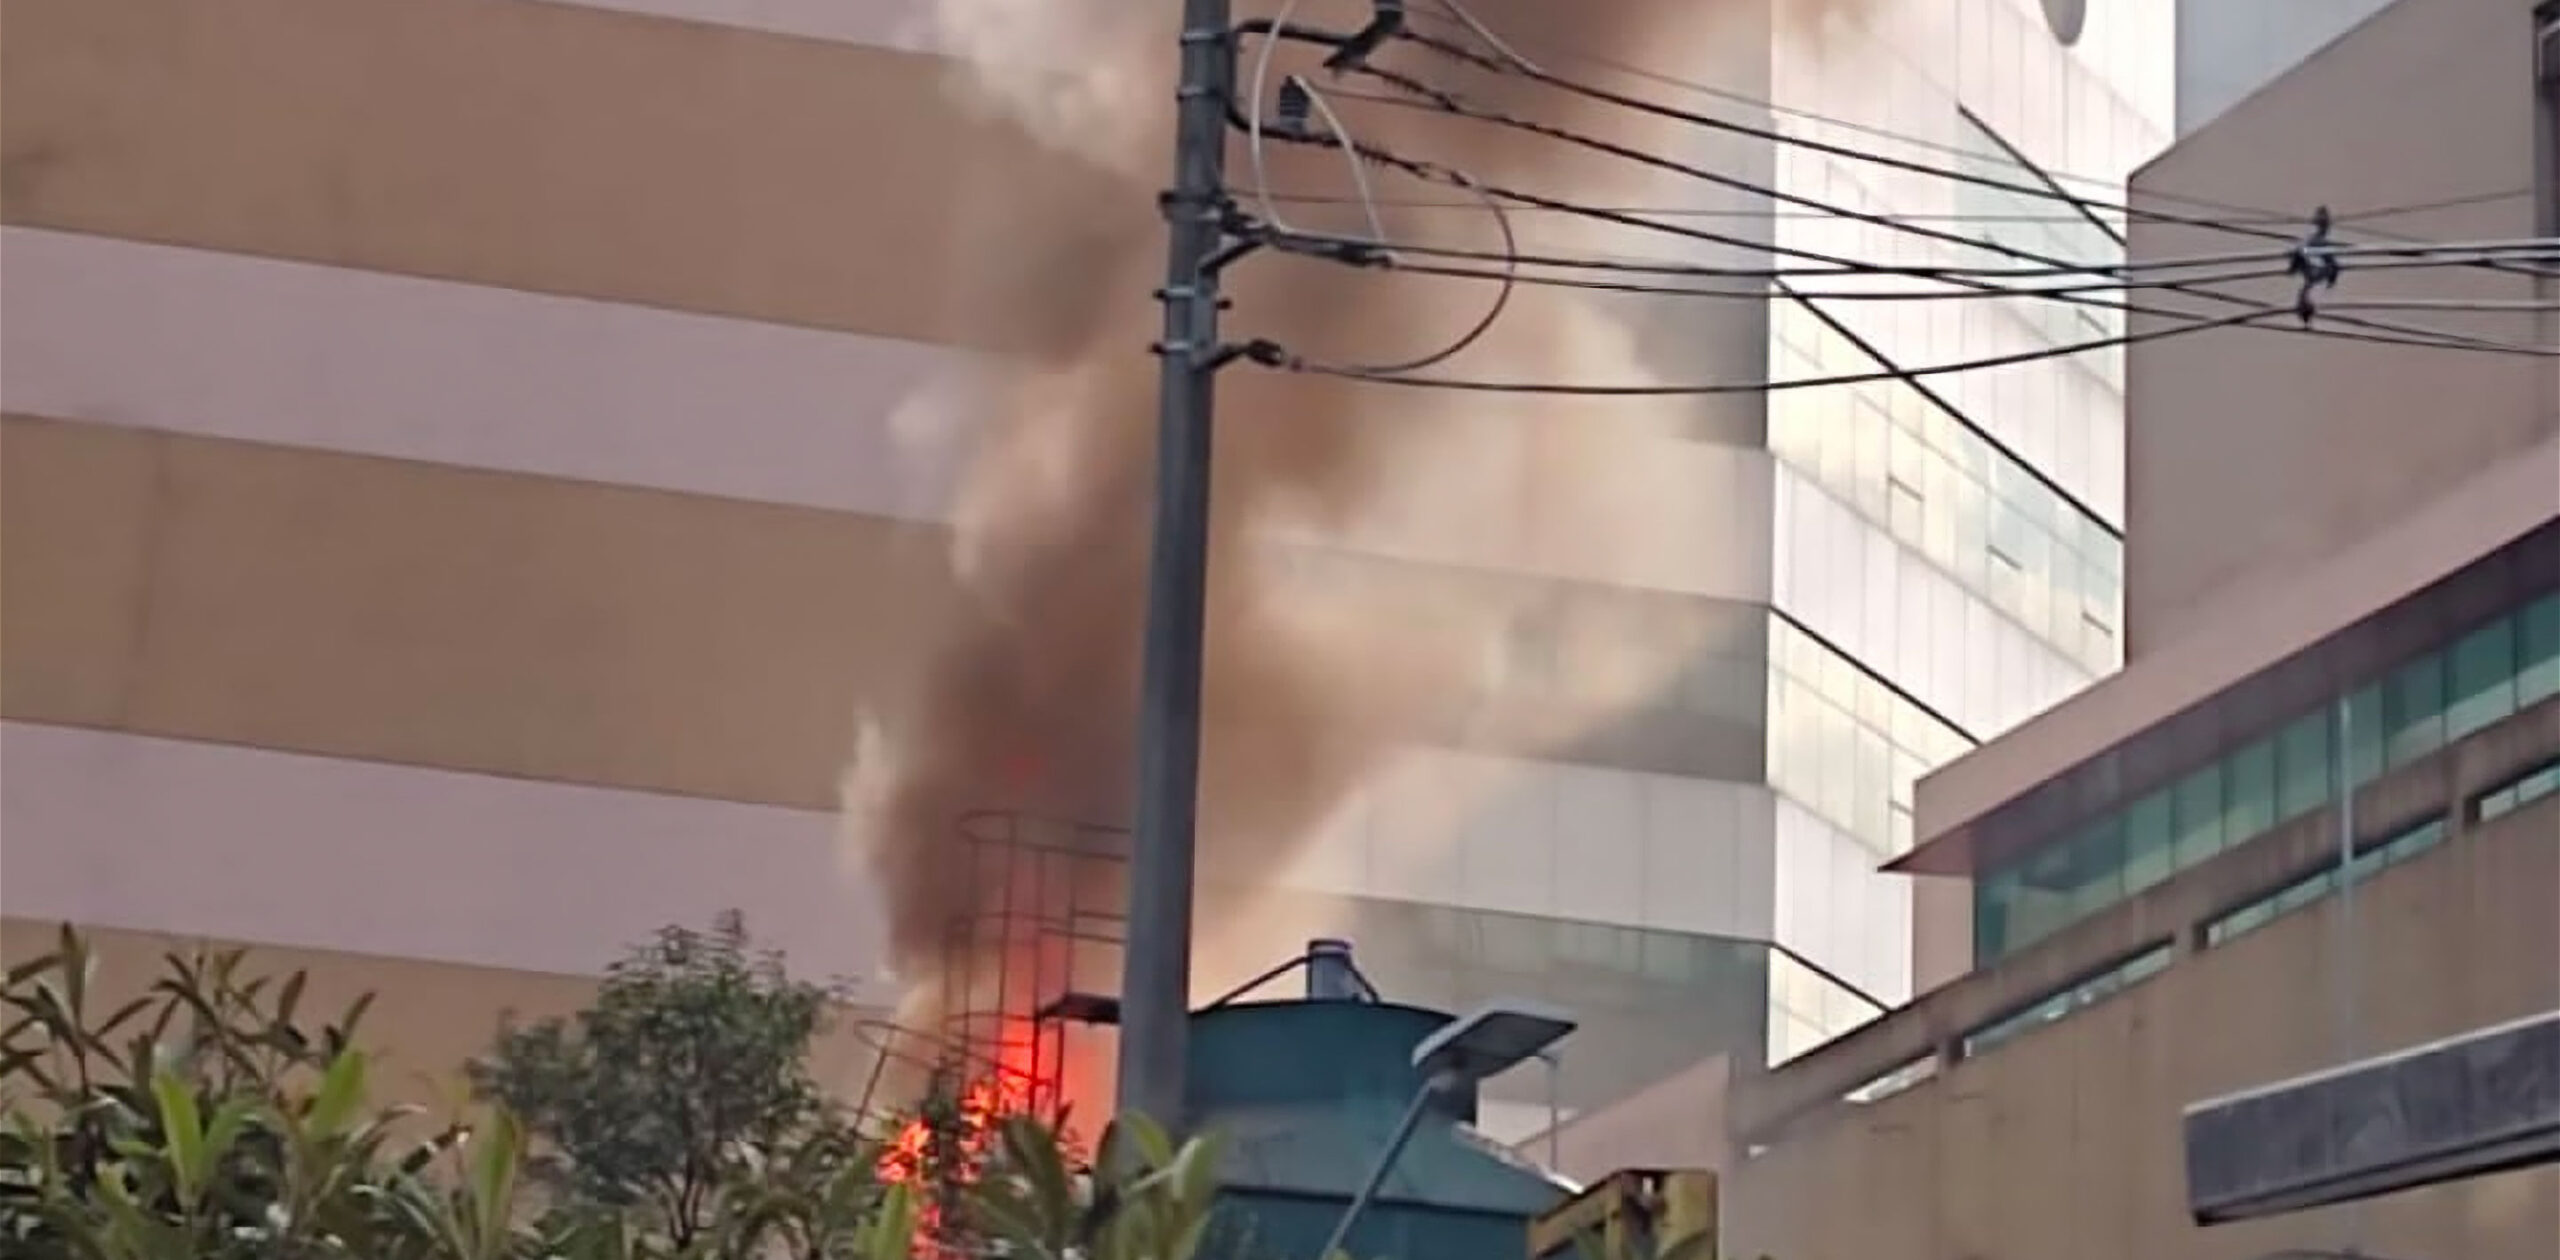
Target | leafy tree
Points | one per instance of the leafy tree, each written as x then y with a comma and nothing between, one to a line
209,1119
202,1120
687,1074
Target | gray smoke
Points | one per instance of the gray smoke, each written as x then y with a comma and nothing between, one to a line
1312,679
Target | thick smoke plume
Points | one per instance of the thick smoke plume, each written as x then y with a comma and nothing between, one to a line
1318,664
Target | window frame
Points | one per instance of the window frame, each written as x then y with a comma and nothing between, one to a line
2546,22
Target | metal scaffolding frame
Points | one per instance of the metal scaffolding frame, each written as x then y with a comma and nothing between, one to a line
1048,927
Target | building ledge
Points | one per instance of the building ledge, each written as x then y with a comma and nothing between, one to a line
2243,636
1762,1108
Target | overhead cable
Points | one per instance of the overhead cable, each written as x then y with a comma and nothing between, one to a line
1446,102
1388,260
1435,172
1676,114
1273,355
1742,212
2241,214
1467,56
1438,101
1324,242
1298,90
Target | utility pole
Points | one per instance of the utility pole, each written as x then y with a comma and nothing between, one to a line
1155,979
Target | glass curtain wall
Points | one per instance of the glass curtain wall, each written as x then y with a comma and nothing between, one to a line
1993,496
2434,699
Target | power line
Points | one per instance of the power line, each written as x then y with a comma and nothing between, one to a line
1442,102
1572,87
1676,114
1309,101
1835,295
1439,173
2248,214
1324,242
1273,355
1738,212
1386,261
1449,103
1688,212
1930,394
1664,79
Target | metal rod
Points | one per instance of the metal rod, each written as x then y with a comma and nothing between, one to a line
1230,997
2346,945
1555,1112
1378,1171
1156,969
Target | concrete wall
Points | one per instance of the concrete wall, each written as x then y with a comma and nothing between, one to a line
2260,451
427,1018
2228,51
2065,1141
464,453
1634,1133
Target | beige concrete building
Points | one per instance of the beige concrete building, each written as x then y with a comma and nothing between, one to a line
469,462
2343,566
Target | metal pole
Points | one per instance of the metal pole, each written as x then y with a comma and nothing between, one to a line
1555,1113
2347,957
1385,1164
1156,968
2348,973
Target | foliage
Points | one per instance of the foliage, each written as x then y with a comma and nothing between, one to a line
201,1121
686,1075
1144,1197
210,1119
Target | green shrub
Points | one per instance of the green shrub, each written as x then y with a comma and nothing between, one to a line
211,1119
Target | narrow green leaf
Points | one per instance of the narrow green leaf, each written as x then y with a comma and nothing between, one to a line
1195,1170
107,1027
74,949
230,1120
342,1087
343,1031
289,998
146,1237
1153,1143
182,1128
1188,1237
34,967
1034,1152
493,1184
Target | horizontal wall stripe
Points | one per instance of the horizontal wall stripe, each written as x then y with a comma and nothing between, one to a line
498,622
212,344
1550,840
426,1019
413,613
550,147
226,345
236,843
224,842
906,25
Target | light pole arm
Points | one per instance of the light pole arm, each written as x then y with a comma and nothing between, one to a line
1386,1163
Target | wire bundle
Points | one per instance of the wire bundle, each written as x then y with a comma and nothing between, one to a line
1810,276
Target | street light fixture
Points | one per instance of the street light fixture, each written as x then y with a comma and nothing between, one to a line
1487,1041
1491,1039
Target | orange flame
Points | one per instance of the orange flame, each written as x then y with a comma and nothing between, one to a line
913,1156
983,1105
1009,1088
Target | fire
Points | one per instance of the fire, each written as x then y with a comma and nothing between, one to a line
983,1104
943,1149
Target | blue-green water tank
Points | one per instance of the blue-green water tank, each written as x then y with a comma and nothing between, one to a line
1304,1096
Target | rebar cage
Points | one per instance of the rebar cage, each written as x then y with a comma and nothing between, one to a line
1048,924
